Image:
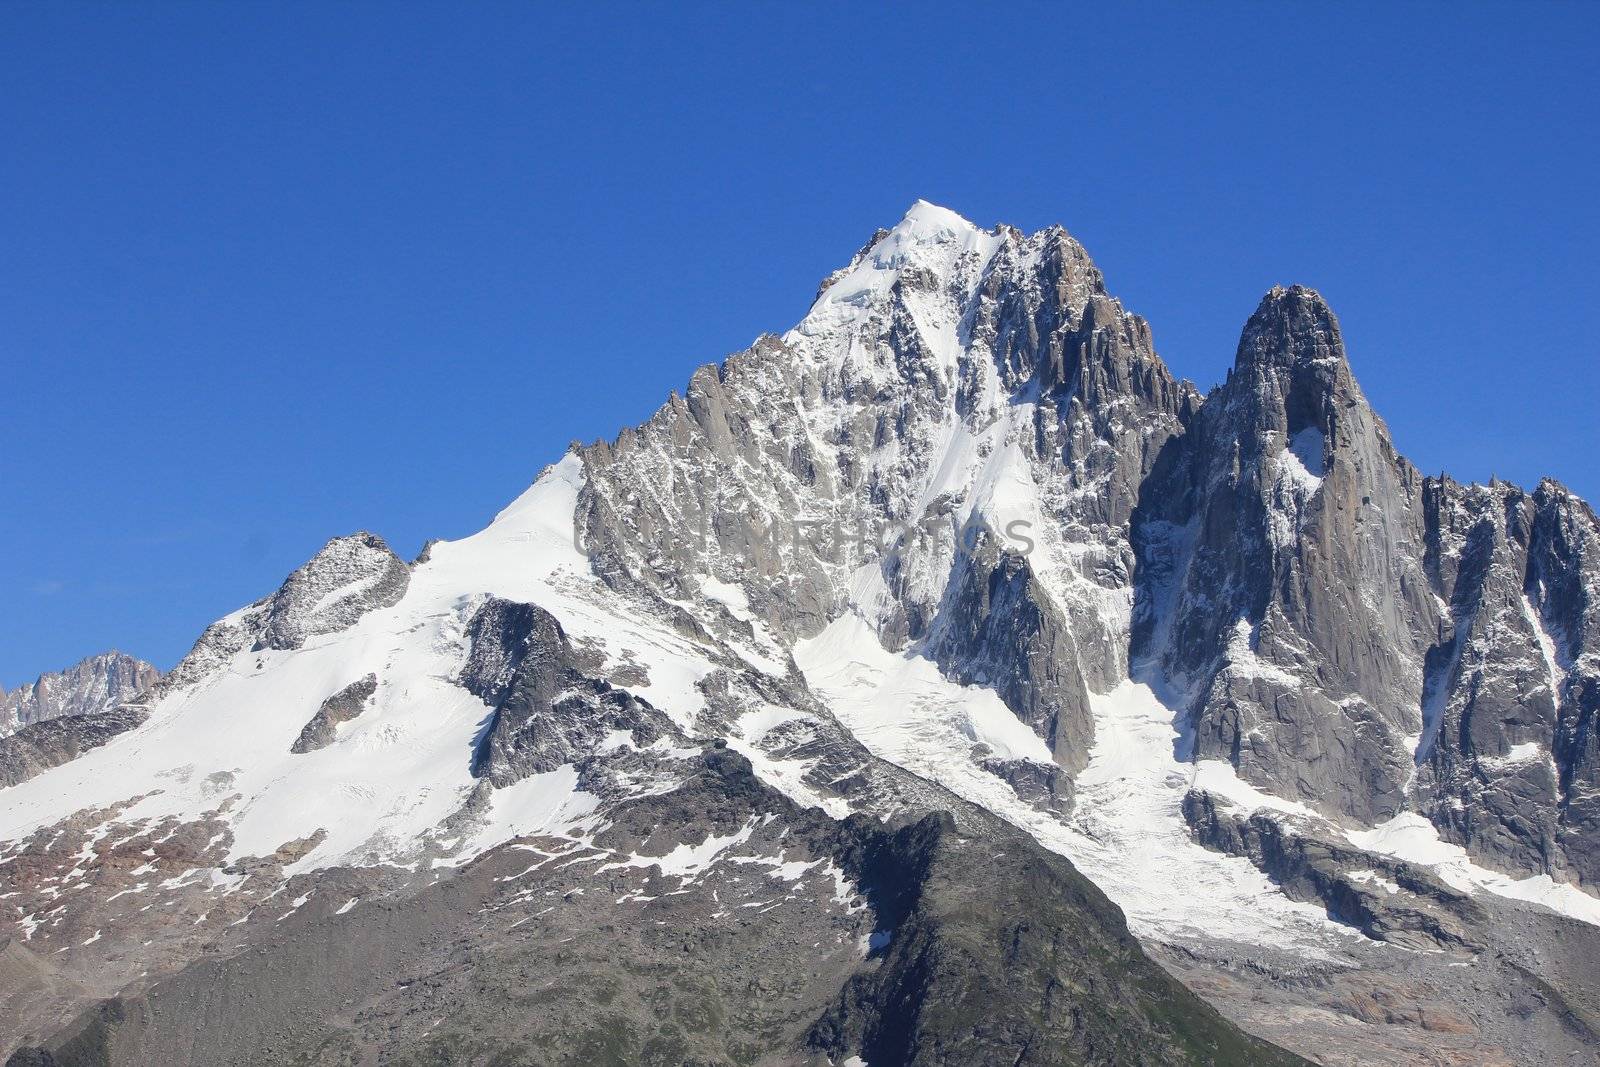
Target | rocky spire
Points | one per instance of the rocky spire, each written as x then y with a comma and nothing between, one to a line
1284,540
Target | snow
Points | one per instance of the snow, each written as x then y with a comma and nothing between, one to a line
1127,834
1547,649
929,237
1374,878
400,768
901,702
1305,457
1521,753
686,861
1243,661
1219,778
788,777
730,596
1411,837
538,804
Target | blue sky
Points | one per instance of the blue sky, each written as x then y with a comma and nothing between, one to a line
274,273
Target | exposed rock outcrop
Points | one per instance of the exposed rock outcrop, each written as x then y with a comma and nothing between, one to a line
346,704
349,577
1508,754
1282,548
41,745
548,710
1384,898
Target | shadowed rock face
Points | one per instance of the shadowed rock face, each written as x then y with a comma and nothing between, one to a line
39,746
96,684
1027,968
547,710
999,628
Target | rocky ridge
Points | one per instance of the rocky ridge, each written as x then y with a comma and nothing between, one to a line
96,684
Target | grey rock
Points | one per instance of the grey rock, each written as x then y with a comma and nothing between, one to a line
548,711
41,745
999,628
343,706
1031,967
1281,572
1507,756
347,578
218,643
98,683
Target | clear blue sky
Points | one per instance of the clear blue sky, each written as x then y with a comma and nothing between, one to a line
270,273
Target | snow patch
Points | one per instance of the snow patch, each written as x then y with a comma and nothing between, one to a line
686,861
1412,838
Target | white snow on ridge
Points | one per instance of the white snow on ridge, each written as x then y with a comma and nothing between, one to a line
1127,835
1411,837
929,238
402,766
901,703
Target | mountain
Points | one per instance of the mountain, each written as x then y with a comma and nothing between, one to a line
60,716
96,684
939,682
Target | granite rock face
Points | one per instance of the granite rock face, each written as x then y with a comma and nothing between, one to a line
1508,753
96,684
346,704
349,577
548,711
40,746
940,365
1282,542
999,628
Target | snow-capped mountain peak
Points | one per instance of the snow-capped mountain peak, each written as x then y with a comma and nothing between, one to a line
958,542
